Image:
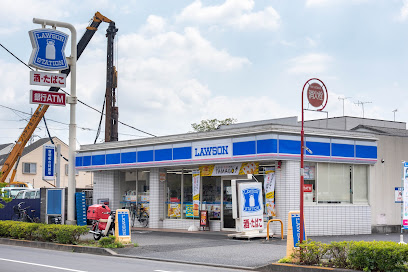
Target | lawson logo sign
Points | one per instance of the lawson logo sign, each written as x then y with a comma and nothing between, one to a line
212,150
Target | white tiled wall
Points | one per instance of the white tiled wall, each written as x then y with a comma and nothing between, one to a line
106,185
319,219
215,225
156,200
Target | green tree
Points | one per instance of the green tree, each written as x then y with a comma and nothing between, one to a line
3,197
212,124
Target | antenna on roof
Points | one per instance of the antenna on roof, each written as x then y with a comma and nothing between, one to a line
362,105
343,98
394,111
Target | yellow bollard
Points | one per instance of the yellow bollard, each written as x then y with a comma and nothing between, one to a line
267,227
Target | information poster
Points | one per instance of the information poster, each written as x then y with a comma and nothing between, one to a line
269,187
196,192
405,198
174,210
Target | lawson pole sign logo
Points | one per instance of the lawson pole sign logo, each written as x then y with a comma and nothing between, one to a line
48,49
296,229
251,197
48,162
123,223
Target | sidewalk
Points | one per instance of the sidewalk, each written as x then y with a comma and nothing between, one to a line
215,248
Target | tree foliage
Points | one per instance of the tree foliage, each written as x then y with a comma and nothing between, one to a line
3,197
212,124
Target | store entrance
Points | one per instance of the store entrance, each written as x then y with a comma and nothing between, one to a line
228,223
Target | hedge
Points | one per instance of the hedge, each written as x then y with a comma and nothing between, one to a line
63,234
365,256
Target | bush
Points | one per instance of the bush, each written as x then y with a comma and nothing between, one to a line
64,234
109,242
366,256
378,256
311,252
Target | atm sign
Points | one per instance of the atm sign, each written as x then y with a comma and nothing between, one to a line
47,98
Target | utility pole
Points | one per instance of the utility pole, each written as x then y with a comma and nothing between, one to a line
362,105
394,111
112,112
343,98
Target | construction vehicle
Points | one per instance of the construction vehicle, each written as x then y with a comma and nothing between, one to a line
18,148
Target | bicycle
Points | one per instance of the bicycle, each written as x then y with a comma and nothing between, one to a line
140,214
20,214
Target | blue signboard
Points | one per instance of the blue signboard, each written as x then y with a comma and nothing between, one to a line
48,162
123,223
251,196
296,229
48,49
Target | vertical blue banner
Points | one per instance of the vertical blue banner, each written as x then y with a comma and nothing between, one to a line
48,170
123,223
296,229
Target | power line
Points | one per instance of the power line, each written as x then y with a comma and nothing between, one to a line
78,99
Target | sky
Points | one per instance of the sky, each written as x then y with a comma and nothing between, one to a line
180,62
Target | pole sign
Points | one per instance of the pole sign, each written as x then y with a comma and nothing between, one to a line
47,98
315,95
48,171
251,206
48,79
48,49
295,217
122,226
405,198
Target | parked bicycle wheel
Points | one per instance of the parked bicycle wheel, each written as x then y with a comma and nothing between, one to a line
144,219
15,217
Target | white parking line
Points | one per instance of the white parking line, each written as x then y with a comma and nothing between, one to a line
43,265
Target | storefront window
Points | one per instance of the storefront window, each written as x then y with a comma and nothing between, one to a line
334,183
309,188
187,195
143,189
211,196
360,185
173,195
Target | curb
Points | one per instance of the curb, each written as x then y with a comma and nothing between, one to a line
281,267
54,246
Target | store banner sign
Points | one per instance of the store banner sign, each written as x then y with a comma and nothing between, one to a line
48,49
230,169
295,218
252,223
48,171
269,187
399,191
211,150
250,205
405,198
196,192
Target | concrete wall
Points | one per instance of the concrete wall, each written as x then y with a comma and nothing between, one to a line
83,179
385,177
347,123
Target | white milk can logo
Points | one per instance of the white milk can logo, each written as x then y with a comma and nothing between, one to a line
48,49
251,196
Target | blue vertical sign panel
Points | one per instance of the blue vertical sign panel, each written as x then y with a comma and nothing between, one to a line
48,170
54,201
123,223
296,229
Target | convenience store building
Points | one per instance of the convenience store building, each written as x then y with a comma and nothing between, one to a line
157,172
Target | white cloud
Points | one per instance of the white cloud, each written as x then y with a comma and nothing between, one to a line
403,15
234,13
323,3
310,63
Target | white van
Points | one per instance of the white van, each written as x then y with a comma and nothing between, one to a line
28,194
12,191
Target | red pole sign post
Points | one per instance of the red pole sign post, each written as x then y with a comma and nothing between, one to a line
316,95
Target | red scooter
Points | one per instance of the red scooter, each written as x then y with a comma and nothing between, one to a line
103,221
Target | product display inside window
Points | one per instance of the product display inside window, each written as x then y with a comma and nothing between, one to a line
309,188
211,196
135,190
173,195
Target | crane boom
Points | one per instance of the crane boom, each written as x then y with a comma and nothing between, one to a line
18,148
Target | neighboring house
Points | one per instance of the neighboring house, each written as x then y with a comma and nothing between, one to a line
5,148
30,166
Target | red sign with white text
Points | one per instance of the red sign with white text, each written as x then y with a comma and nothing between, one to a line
47,98
307,188
315,95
